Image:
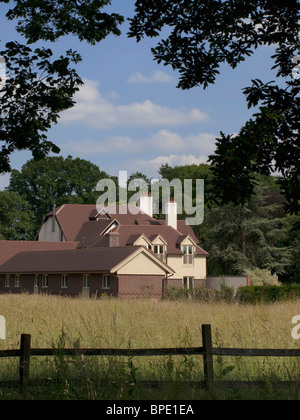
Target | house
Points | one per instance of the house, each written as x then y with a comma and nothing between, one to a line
80,250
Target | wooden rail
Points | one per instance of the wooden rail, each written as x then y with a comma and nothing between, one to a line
207,351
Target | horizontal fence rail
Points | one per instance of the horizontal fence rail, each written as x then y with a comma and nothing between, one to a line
207,351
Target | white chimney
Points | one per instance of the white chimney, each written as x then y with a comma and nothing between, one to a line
171,214
146,204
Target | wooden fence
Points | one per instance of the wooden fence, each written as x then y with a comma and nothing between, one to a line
207,351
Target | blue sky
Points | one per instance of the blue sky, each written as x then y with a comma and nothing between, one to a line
129,114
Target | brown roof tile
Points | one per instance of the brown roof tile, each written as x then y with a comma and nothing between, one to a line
9,249
130,232
79,260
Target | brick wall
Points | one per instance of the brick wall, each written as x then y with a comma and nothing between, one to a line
140,285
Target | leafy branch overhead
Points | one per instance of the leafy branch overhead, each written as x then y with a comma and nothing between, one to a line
35,92
38,86
204,34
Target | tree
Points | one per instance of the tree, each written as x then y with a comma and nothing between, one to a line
38,86
202,35
16,217
240,238
55,180
190,172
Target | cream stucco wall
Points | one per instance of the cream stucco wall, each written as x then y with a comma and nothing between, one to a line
142,264
142,242
197,270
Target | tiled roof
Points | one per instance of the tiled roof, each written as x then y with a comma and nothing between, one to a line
79,260
9,249
128,234
73,218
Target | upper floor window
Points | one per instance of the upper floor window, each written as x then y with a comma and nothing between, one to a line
188,254
160,251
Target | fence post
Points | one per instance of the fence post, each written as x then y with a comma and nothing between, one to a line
24,359
207,357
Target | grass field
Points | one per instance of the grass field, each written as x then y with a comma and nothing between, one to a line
114,323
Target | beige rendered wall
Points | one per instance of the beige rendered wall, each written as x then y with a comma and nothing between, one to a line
142,264
198,270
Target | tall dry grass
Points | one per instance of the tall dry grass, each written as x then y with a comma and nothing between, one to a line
115,323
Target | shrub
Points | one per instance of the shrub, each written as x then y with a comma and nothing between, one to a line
201,294
262,277
268,294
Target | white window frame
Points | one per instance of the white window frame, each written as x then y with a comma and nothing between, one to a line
86,281
7,280
160,251
188,254
17,280
64,281
188,282
36,281
105,281
45,281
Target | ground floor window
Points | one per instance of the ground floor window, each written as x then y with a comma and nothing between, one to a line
7,280
188,283
17,280
45,280
64,281
36,281
105,281
86,281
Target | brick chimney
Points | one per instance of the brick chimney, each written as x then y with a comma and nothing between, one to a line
113,238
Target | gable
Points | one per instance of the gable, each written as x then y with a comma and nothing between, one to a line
142,264
187,240
158,240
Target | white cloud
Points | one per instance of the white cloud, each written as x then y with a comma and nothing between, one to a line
151,167
170,142
94,110
156,77
178,160
162,142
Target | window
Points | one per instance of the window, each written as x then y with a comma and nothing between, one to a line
17,280
188,283
64,281
86,281
188,254
159,250
36,281
105,281
7,280
45,280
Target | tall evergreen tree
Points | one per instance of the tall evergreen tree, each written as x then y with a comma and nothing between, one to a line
249,236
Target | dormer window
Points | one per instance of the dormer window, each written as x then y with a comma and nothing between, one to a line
160,251
188,254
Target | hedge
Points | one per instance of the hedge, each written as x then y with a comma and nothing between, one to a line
266,294
226,294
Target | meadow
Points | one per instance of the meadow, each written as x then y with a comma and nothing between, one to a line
115,323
